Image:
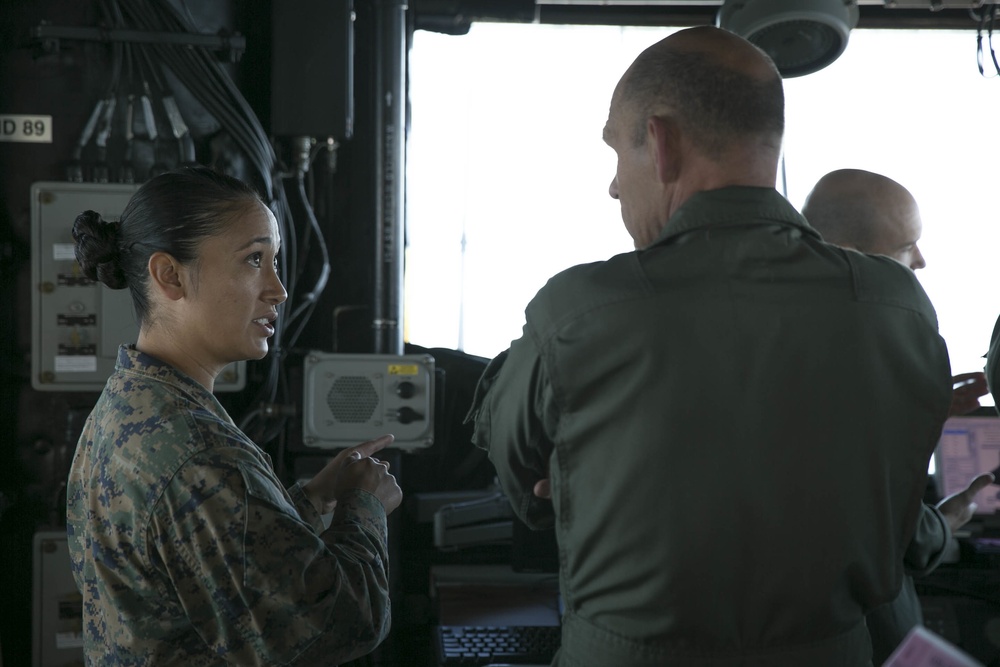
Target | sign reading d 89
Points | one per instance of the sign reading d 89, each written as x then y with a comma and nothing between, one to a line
35,129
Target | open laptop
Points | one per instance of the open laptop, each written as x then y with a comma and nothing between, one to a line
970,445
511,617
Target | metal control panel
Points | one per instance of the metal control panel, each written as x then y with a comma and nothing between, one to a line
351,398
78,324
57,606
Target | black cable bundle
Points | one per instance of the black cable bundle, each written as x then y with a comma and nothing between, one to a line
986,21
199,71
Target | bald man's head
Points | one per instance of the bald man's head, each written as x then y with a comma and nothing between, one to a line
720,88
699,110
869,212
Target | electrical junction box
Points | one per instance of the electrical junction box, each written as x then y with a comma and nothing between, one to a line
78,324
350,398
57,606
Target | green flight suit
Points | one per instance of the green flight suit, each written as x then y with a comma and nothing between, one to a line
889,624
737,423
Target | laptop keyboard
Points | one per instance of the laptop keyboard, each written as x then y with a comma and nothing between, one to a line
469,646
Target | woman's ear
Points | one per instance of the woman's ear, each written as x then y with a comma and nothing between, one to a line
663,139
165,275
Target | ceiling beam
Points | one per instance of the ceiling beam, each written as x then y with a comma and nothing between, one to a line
455,16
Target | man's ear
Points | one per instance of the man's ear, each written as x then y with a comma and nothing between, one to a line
663,139
165,275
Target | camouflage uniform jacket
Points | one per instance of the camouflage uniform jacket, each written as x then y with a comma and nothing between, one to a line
188,551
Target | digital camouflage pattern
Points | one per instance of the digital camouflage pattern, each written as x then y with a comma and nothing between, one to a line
188,551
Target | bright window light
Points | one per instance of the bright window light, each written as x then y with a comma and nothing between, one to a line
507,176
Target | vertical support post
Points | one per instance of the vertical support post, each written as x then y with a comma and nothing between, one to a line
390,167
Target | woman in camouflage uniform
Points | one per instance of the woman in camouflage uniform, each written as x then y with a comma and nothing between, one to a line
185,546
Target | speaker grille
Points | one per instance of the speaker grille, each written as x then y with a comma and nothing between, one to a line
352,399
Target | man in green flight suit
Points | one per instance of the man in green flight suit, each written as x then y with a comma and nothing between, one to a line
736,418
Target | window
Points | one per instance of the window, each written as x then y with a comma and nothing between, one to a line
508,177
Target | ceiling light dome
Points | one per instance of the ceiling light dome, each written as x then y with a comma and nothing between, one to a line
801,36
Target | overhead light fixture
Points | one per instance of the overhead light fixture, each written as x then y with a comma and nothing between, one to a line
801,36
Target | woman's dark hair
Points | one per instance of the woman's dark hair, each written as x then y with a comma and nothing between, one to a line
172,213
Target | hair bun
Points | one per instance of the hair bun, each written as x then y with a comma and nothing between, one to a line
97,249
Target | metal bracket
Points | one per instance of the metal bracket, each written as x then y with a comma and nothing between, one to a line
47,38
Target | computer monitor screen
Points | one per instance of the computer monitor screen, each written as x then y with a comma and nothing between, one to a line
969,446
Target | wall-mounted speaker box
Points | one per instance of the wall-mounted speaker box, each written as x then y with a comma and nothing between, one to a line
351,398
